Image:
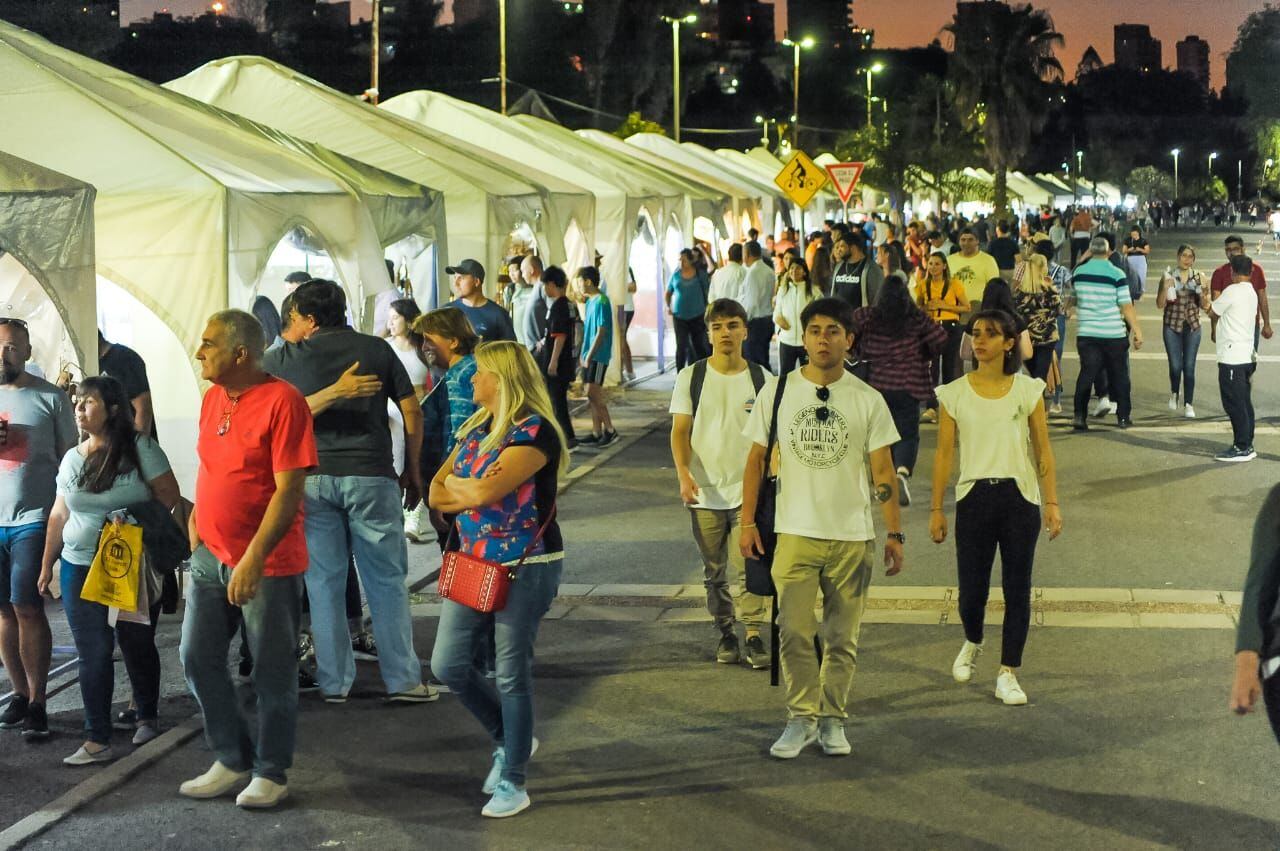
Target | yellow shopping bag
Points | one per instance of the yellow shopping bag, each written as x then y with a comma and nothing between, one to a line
113,576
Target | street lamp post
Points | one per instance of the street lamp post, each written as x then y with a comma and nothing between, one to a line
764,129
675,68
502,55
1212,157
1079,174
873,69
1240,181
375,51
1175,153
806,43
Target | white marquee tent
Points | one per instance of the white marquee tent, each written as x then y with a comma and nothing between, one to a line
46,262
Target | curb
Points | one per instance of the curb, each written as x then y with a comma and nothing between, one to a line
107,780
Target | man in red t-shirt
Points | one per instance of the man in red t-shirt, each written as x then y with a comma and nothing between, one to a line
248,550
1222,279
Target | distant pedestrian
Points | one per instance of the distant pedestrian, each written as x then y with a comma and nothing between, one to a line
856,279
971,266
1183,294
1106,319
796,293
501,483
556,354
1223,278
944,300
1235,311
1082,226
757,294
126,366
1039,306
597,352
535,310
487,317
726,282
686,300
999,418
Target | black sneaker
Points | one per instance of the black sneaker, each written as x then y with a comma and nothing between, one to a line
15,713
1236,455
610,438
727,652
590,440
1124,422
757,656
1079,424
36,727
363,647
306,682
438,685
246,668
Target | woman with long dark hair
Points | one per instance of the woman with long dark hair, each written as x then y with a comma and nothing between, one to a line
113,468
686,298
998,415
900,342
998,296
407,344
1182,294
795,291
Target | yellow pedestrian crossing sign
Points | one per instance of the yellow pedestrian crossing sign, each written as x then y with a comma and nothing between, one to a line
801,178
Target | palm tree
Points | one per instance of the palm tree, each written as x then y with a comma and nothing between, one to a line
1004,73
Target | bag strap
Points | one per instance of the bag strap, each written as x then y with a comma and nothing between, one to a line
551,515
696,379
773,424
757,375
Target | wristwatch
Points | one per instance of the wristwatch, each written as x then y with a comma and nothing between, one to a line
900,537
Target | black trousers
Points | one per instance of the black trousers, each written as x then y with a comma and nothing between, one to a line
995,514
1235,385
558,390
946,367
1041,360
1103,355
789,357
1079,245
691,341
1271,697
759,333
905,410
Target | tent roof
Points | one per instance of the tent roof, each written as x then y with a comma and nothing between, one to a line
682,171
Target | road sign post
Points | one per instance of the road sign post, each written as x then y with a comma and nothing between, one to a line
844,177
800,179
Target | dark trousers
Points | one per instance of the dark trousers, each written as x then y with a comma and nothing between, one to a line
1041,360
991,515
691,341
759,333
1078,246
558,390
1235,385
1271,697
789,357
946,367
1098,356
905,410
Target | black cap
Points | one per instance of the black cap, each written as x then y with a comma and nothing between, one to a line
466,267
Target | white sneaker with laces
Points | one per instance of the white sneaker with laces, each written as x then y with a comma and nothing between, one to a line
796,736
966,662
832,738
1189,412
1008,691
218,780
1103,407
262,794
1173,402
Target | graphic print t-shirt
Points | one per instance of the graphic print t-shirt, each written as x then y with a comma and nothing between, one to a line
824,486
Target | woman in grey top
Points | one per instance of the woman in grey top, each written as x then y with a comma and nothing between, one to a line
114,467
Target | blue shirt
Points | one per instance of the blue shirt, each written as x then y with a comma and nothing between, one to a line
458,384
598,320
1101,290
489,319
689,295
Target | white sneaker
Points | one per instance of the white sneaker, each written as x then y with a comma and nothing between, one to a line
904,488
966,662
832,738
1113,407
1173,402
1103,407
798,735
1189,412
218,780
1008,691
1055,408
262,794
413,526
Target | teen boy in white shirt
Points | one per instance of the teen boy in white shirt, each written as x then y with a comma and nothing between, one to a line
1235,310
709,449
830,426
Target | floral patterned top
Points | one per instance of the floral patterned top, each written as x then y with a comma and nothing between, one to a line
500,532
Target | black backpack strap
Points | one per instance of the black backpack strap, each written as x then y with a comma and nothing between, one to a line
696,380
757,375
781,388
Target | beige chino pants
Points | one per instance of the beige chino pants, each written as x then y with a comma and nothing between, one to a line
716,533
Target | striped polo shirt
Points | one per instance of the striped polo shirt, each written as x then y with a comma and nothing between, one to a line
1101,289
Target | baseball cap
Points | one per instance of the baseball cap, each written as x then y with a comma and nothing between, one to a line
466,267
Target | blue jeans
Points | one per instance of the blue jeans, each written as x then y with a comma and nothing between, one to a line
1060,347
95,640
905,410
1181,348
271,621
360,515
507,711
21,549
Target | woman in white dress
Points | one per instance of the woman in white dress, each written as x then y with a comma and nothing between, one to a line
407,344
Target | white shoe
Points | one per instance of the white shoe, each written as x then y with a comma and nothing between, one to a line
1189,412
1008,691
904,488
413,526
966,662
1103,407
1113,407
832,738
84,756
218,780
798,735
262,794
145,732
1173,402
1055,408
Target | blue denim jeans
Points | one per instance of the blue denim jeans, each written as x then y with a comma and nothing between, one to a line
1181,348
360,515
95,640
21,549
271,625
506,712
1060,347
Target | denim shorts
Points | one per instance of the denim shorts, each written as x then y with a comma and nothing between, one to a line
21,549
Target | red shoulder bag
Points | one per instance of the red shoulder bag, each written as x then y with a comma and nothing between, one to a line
481,584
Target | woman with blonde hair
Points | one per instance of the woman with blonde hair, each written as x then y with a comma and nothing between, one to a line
1039,304
501,482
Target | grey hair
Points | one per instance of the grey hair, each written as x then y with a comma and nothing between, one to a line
243,329
1099,245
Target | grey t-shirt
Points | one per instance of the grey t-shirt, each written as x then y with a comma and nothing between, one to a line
353,437
41,429
88,511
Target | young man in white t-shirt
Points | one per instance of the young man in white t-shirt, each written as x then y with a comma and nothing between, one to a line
1235,310
831,427
709,450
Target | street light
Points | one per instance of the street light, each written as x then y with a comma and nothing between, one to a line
1212,157
876,68
1240,180
764,129
1175,153
675,67
806,43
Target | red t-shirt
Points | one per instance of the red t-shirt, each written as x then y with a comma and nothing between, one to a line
1222,279
267,431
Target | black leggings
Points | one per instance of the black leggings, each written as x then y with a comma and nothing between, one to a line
994,513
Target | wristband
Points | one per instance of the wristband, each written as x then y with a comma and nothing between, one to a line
746,525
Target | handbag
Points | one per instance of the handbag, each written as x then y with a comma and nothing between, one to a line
758,571
478,583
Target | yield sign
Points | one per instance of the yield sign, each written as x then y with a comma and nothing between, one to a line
844,176
801,179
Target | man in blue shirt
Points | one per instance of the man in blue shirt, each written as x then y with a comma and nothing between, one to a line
1103,310
597,351
487,317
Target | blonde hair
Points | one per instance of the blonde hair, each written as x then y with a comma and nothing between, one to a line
522,392
1034,280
